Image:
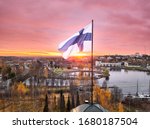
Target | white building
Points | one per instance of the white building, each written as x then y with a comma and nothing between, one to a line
103,64
126,64
148,67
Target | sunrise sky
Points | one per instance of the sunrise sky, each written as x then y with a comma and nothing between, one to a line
36,27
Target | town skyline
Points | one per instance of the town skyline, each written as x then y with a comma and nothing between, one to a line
30,28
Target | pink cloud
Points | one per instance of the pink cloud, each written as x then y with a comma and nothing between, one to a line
43,24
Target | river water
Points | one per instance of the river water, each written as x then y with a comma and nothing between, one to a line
127,81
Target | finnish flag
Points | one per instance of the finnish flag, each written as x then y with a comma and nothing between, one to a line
79,42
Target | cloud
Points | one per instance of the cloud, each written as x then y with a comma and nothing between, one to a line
41,25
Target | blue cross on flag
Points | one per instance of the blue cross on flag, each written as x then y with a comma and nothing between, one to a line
79,42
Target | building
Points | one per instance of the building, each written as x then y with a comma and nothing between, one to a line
107,64
126,64
148,67
89,108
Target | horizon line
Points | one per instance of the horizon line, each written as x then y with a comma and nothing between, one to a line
70,56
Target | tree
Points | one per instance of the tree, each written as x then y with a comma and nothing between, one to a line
62,102
46,104
57,71
106,73
72,102
116,94
106,99
78,99
11,75
120,107
6,71
68,104
22,89
54,104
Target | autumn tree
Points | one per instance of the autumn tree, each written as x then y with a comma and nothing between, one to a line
100,96
120,107
105,99
54,106
22,89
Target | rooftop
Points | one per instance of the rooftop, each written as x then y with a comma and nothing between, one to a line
89,108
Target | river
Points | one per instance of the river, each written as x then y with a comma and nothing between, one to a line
127,81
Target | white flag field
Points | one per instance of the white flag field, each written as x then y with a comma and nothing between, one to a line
79,42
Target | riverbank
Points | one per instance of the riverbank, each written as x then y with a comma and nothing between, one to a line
137,69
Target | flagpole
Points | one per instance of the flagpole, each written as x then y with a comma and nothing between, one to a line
92,66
